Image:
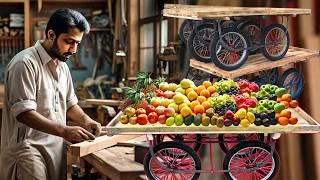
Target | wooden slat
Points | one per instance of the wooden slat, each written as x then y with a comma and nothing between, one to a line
204,12
87,147
256,63
107,102
306,124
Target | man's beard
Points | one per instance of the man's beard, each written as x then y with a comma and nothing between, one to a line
55,52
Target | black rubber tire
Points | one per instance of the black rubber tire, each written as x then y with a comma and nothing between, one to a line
206,43
244,145
176,145
225,149
196,147
298,90
186,29
243,29
214,46
263,39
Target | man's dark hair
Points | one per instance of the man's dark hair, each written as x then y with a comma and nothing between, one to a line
63,19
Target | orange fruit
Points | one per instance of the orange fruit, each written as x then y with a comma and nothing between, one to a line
206,83
277,116
211,89
192,95
293,104
185,111
201,99
286,97
205,93
189,90
293,120
200,88
283,121
206,105
193,104
198,109
279,99
286,103
285,113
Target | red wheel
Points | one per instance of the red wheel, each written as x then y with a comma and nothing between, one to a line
166,164
251,160
276,42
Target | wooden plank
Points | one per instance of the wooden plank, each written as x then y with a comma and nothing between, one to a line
107,102
116,163
256,63
306,124
204,12
87,147
27,27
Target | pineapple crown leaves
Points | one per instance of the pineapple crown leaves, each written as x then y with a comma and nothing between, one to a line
159,80
138,97
143,79
149,96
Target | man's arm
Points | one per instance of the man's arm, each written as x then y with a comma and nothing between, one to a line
71,133
77,115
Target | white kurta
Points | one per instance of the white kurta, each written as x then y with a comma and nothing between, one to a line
33,83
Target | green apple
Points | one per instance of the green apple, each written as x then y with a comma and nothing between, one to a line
279,107
280,91
178,120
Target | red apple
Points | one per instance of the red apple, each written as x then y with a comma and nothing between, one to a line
150,108
229,114
251,103
160,110
162,119
159,93
142,119
153,117
140,111
254,87
169,112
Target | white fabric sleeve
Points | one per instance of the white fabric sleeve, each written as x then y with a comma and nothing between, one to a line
21,82
71,96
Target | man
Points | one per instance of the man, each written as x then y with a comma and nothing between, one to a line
39,96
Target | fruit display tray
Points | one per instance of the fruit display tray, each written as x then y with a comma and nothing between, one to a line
306,124
256,63
206,12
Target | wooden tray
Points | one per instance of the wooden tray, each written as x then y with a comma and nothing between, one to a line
215,12
256,63
306,124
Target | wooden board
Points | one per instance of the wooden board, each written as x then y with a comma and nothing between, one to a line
256,63
306,124
214,12
87,147
106,102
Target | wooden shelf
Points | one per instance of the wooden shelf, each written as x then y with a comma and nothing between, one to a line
306,124
256,63
213,12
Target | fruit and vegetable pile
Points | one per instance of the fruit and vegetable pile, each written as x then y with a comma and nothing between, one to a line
224,103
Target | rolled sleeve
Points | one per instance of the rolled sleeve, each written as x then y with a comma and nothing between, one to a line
23,106
71,96
73,101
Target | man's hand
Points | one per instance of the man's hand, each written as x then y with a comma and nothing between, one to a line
93,127
76,134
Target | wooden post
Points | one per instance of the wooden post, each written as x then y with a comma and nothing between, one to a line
27,23
133,37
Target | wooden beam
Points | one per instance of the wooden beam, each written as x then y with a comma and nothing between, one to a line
107,102
133,37
88,147
27,23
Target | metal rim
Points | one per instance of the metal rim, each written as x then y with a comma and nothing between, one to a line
238,44
201,42
276,42
251,157
175,166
